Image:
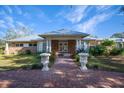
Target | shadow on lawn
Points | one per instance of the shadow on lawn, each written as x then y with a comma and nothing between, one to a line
20,62
105,63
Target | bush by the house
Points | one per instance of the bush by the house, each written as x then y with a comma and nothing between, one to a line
77,58
36,66
115,51
109,45
122,52
97,50
105,48
2,50
52,58
32,66
28,52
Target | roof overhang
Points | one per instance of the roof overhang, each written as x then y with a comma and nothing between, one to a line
62,36
23,41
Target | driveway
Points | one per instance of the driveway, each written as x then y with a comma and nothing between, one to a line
64,73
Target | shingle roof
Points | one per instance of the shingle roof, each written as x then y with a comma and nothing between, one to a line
65,32
27,38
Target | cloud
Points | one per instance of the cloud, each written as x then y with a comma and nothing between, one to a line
27,15
9,19
18,10
9,22
8,8
20,24
91,25
103,7
2,24
76,14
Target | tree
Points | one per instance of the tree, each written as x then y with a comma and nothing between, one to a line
109,45
10,34
118,35
20,31
2,43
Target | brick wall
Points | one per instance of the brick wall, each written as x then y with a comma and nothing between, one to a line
16,50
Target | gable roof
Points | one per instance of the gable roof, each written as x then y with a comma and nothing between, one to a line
27,39
64,32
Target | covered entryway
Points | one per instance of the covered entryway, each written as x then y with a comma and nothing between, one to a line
63,46
63,41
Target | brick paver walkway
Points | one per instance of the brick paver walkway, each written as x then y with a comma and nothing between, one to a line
64,73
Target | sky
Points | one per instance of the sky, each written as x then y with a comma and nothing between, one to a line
101,21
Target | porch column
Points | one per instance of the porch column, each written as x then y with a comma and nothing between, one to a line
7,49
80,44
49,45
77,44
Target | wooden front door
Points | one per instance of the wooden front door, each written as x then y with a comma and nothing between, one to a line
63,46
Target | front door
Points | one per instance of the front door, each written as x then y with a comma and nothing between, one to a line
63,46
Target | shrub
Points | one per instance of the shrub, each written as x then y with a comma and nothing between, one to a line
36,66
28,52
95,67
115,51
77,58
25,67
33,66
108,43
122,51
2,50
97,50
52,58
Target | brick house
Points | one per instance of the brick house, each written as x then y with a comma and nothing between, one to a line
60,41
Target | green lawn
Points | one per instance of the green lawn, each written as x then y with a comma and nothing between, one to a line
111,63
18,61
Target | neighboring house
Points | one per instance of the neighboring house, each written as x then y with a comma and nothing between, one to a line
119,42
92,41
61,41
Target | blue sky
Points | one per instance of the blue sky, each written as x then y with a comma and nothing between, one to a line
101,21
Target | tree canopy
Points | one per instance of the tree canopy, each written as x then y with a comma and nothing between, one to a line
118,35
20,31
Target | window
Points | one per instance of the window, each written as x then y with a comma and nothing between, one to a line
30,44
19,45
26,45
34,44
